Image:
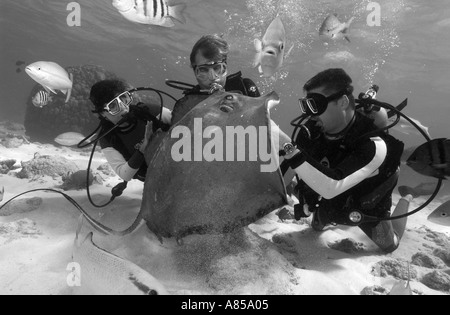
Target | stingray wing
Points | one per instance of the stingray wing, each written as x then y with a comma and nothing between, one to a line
201,197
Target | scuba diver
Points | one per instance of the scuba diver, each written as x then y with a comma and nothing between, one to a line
346,165
125,146
209,62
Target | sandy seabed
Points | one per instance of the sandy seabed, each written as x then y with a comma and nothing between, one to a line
270,256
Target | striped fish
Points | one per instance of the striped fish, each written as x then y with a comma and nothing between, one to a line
155,12
41,99
432,159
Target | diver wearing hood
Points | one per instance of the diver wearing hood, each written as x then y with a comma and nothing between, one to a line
124,147
209,62
347,166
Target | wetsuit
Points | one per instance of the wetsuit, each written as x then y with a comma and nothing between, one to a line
119,147
193,97
354,172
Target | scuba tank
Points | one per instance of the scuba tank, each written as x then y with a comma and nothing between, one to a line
377,114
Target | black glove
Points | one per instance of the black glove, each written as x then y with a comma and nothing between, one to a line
308,133
142,112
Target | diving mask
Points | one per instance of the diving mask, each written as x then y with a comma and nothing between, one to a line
119,103
211,70
316,104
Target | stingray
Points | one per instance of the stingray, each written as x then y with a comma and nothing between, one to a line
200,195
195,196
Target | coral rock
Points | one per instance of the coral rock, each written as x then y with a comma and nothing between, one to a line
47,166
437,280
424,260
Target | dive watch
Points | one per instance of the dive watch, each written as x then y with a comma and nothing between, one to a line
289,148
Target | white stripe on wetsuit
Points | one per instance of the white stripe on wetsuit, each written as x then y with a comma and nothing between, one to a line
119,164
330,188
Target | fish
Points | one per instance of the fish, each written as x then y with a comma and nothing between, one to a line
69,139
432,159
424,189
52,77
18,70
2,193
332,28
441,215
20,62
270,51
155,12
103,273
212,197
41,99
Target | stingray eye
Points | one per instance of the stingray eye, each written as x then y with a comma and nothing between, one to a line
282,47
226,105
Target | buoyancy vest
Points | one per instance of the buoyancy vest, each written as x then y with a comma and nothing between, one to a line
361,196
124,141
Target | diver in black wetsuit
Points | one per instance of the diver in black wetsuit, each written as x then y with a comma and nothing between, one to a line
345,163
209,62
124,147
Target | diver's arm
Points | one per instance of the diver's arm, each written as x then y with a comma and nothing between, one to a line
330,183
124,169
166,116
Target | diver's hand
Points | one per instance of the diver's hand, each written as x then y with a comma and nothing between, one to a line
280,139
166,116
148,133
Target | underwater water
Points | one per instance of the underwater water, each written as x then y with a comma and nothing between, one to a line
407,54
